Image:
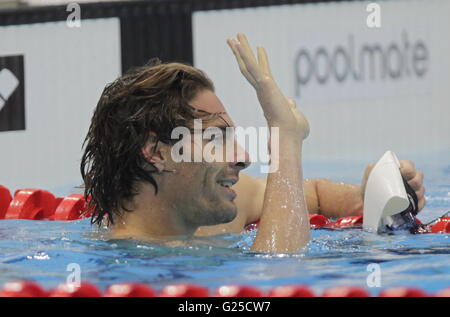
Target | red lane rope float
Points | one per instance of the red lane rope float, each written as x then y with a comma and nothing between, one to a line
130,290
318,221
351,221
70,290
24,288
291,291
346,291
71,208
5,200
442,225
184,290
38,204
403,292
35,204
238,291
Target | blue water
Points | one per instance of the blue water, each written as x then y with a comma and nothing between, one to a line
41,251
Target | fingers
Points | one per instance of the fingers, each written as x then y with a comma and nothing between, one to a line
421,197
252,70
421,204
246,49
407,169
247,56
417,181
420,192
233,45
264,61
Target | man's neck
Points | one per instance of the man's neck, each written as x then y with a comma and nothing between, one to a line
151,216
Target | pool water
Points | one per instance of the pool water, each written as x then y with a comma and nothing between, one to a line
42,250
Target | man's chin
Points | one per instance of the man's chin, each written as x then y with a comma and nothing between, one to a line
224,214
231,209
230,215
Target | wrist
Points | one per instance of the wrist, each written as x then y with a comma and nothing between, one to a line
284,139
291,135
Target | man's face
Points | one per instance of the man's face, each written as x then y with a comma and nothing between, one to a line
201,190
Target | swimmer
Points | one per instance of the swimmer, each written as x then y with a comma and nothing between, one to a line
140,191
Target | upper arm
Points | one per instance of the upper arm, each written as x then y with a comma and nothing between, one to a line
251,196
323,196
338,199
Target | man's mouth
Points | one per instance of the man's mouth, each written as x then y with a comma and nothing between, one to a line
226,183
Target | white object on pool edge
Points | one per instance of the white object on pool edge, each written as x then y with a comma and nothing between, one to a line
385,194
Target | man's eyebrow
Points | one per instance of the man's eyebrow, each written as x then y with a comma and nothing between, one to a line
195,109
221,127
218,114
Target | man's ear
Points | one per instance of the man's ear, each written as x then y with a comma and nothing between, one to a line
155,152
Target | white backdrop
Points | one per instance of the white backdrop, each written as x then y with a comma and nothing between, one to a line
66,70
407,110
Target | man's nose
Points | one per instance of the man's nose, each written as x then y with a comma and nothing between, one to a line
241,159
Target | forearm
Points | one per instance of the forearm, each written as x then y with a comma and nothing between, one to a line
284,223
334,199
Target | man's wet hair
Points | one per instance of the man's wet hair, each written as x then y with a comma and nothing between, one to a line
152,98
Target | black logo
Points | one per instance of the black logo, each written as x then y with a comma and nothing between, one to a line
12,93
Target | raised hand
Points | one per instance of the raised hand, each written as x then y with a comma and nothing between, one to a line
279,111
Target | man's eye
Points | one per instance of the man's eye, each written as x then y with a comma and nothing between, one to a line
213,138
217,139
